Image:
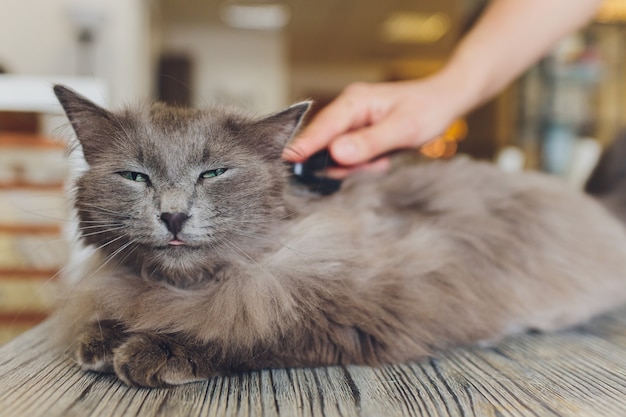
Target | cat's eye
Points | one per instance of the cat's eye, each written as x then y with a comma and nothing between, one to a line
213,173
134,176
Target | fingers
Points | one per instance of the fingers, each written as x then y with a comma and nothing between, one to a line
362,145
342,115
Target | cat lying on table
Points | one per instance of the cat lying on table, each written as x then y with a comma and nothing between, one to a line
206,261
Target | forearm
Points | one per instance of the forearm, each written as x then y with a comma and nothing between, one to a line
509,37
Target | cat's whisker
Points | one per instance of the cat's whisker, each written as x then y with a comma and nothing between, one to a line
102,231
126,133
107,214
245,254
74,219
52,279
288,215
51,241
100,209
38,214
130,251
95,209
103,224
96,270
265,238
100,222
261,237
271,221
110,242
299,254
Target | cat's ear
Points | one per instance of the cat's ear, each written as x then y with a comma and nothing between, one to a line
280,127
89,121
82,113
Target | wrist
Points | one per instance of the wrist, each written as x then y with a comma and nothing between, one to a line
463,89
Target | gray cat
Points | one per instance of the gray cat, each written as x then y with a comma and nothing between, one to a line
201,259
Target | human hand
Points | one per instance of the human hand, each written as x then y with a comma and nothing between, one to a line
370,120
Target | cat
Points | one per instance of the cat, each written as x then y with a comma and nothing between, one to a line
203,259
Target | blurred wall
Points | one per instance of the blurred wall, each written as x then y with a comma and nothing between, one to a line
40,38
328,80
246,68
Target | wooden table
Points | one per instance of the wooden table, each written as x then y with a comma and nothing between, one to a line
580,372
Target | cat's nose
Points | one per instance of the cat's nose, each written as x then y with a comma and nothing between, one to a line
174,221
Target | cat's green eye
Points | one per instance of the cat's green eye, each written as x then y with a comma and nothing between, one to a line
134,176
213,173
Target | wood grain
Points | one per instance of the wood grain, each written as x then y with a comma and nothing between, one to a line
580,372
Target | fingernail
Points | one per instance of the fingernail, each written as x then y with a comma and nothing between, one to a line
345,150
290,153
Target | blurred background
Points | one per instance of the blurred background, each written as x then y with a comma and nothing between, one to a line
264,55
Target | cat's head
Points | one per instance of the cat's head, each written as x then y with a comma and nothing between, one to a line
168,189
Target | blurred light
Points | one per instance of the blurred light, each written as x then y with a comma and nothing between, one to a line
445,146
434,149
415,27
511,159
612,11
456,132
258,16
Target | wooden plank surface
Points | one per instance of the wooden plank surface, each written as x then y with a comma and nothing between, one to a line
580,372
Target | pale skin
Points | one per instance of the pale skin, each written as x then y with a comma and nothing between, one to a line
369,120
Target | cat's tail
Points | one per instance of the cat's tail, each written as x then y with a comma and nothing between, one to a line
608,180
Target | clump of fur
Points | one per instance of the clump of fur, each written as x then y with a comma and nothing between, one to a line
389,269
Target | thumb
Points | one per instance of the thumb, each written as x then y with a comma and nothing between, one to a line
303,146
323,129
340,116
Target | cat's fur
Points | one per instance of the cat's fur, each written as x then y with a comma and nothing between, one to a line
388,269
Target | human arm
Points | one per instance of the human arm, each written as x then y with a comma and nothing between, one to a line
368,120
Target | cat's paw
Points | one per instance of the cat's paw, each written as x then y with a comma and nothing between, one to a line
157,361
94,346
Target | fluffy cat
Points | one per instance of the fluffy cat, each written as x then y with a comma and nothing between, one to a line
205,261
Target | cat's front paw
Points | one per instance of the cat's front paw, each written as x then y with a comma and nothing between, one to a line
158,361
94,346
